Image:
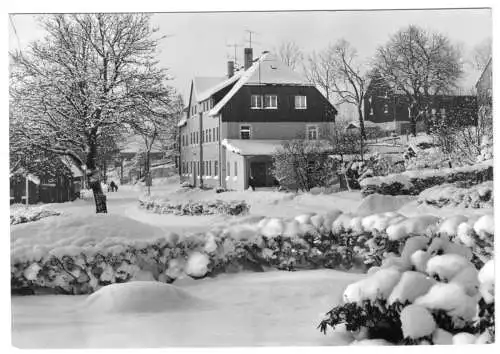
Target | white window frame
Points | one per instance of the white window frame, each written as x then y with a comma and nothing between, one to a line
300,106
252,101
249,131
315,127
266,97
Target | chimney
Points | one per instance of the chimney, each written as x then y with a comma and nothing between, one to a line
230,69
248,57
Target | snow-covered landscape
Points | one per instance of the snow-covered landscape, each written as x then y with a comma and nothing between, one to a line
312,195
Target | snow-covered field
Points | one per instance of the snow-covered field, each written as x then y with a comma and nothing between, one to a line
272,308
245,309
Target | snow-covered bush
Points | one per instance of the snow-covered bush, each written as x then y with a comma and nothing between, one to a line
87,194
22,214
479,196
414,182
238,207
444,301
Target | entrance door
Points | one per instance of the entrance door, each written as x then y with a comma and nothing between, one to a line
258,171
195,175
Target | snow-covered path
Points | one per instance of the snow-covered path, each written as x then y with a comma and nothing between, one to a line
245,309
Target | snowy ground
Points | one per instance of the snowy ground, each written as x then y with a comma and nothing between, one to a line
245,309
275,308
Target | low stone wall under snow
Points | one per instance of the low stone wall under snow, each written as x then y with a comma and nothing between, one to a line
237,207
82,264
414,182
479,196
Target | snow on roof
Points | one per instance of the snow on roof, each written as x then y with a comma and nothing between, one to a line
271,70
252,147
182,122
75,171
268,69
205,83
209,91
367,124
260,147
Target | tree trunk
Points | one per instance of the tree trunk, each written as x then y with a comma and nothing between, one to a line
361,122
94,178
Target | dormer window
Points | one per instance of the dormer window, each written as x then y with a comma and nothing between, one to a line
256,102
271,102
300,102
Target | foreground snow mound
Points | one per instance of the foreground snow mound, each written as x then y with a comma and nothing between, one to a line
197,265
138,297
75,232
413,225
379,203
416,322
485,226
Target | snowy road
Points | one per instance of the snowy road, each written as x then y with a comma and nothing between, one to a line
245,309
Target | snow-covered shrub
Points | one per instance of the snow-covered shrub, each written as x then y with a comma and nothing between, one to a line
238,207
414,182
479,196
23,214
414,308
86,194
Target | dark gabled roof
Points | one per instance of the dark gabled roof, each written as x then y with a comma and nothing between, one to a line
267,70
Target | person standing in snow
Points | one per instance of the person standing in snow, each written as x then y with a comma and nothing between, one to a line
251,182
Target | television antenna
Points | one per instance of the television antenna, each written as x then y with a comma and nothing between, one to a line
250,33
235,46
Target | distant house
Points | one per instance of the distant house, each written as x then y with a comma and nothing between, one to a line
47,186
383,105
234,124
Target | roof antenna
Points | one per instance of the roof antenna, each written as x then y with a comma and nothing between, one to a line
250,32
235,46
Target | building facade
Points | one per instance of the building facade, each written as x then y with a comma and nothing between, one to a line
233,124
391,110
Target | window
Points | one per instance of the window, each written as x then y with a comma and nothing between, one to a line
218,131
245,131
300,102
216,168
197,137
210,168
256,102
228,169
312,132
209,135
271,102
202,136
235,168
213,133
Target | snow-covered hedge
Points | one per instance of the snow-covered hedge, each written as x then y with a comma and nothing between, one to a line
209,207
479,196
84,262
414,182
24,214
433,293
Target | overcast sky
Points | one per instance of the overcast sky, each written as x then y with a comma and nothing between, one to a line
197,45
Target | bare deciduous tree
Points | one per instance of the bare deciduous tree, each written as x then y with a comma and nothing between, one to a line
482,53
420,64
82,80
290,54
